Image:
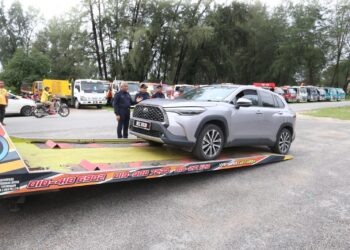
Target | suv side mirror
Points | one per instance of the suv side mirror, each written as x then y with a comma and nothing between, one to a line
243,102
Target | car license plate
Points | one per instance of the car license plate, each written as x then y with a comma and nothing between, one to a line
143,125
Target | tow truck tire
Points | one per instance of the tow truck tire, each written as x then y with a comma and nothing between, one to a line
283,142
76,104
27,111
210,143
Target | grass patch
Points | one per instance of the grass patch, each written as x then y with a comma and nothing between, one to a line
342,113
109,108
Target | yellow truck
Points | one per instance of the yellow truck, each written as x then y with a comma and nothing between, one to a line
83,92
59,88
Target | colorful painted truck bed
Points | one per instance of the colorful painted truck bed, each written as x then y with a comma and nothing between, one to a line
32,166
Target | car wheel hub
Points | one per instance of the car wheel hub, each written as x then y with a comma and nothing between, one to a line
284,142
211,143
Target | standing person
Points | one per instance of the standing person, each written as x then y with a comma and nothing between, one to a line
4,100
122,103
169,93
159,92
143,94
45,99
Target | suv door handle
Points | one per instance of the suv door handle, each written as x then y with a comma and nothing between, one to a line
258,112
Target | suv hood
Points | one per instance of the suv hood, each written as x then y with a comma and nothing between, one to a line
167,103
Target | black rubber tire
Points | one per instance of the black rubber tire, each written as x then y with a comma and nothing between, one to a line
155,144
198,151
76,104
64,110
39,112
27,111
276,148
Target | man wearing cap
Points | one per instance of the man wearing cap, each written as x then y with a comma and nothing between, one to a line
159,92
4,100
143,94
121,104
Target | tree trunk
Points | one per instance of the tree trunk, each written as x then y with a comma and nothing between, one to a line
94,33
182,55
100,26
134,20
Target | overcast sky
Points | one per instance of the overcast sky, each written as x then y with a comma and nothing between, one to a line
49,8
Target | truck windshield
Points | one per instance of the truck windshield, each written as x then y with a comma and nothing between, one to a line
93,87
214,94
133,87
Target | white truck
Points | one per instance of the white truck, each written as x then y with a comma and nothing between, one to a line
89,92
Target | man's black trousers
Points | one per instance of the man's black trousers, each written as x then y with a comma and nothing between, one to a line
123,124
2,113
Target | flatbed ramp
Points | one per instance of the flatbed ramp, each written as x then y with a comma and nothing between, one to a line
30,166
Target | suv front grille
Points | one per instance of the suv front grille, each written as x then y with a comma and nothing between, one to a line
148,113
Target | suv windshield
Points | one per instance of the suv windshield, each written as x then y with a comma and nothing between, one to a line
93,87
213,93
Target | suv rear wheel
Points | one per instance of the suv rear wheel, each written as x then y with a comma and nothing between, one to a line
283,142
210,143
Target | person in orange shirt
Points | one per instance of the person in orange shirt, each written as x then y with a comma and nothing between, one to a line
3,102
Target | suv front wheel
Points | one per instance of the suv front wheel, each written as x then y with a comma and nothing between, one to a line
210,143
283,142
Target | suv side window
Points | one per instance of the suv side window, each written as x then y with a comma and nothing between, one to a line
279,102
267,100
250,94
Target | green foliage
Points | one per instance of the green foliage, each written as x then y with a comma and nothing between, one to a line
25,67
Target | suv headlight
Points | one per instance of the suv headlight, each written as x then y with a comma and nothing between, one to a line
186,110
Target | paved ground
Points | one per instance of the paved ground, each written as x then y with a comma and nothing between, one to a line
299,204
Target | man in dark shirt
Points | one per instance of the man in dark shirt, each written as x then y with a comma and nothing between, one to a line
122,103
143,94
159,93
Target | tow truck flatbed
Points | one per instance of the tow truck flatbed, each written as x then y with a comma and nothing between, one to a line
29,166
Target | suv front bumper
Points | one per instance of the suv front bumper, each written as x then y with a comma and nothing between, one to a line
158,132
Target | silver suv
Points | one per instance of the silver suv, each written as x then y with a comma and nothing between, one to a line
207,119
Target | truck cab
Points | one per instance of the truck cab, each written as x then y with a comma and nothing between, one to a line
89,92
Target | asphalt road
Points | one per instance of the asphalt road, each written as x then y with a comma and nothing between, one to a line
299,204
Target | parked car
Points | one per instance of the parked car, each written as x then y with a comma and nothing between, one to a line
279,91
331,94
19,105
301,93
340,94
207,119
312,94
152,87
290,95
321,94
265,85
133,87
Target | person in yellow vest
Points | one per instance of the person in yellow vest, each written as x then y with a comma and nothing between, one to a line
45,99
4,100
